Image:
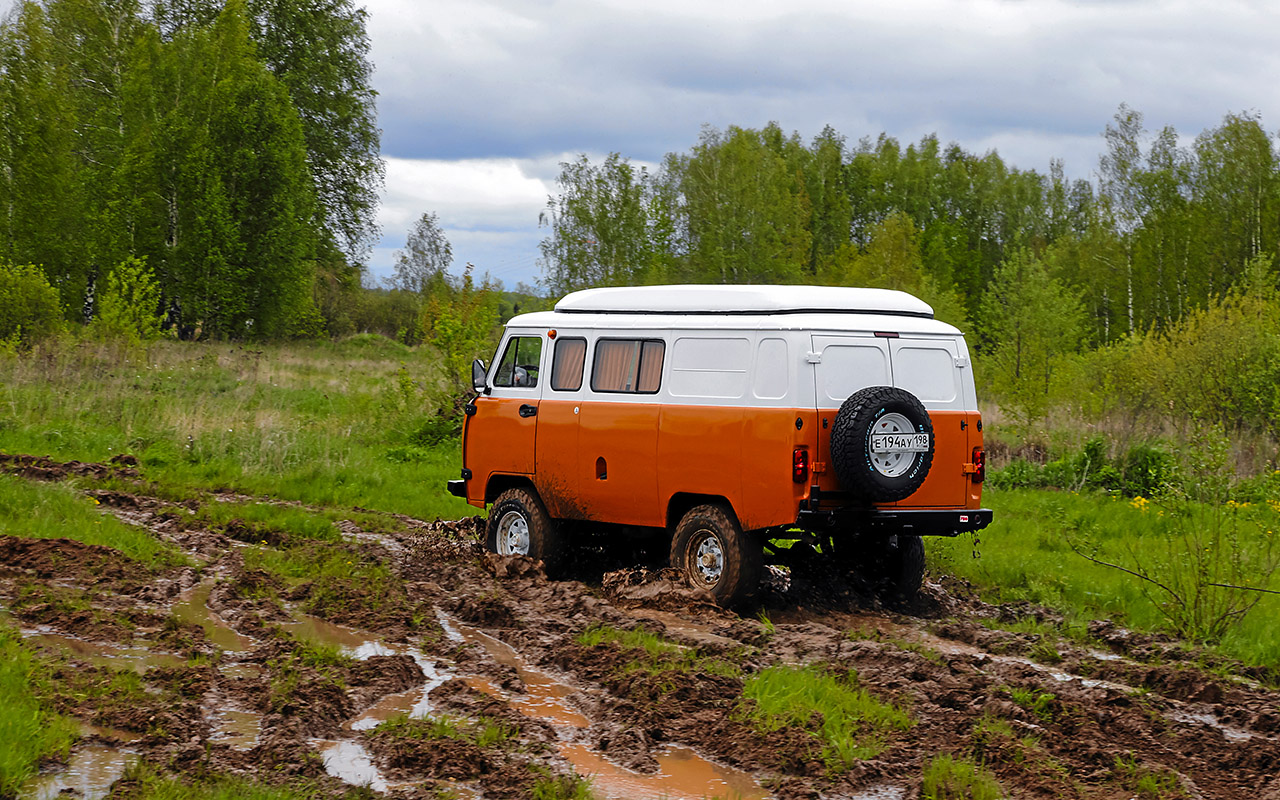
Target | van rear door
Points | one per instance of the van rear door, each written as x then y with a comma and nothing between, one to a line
933,370
841,366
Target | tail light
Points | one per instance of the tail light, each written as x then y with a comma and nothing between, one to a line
800,465
979,465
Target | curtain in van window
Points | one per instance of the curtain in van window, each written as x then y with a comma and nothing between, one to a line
566,373
614,365
650,367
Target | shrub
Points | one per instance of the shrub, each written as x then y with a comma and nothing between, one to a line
129,305
29,306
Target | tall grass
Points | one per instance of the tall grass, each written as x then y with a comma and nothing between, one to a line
1026,555
854,723
344,424
50,511
29,732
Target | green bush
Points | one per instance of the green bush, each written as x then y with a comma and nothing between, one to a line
129,303
29,306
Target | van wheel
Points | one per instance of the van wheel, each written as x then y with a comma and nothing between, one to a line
866,468
520,526
714,554
897,568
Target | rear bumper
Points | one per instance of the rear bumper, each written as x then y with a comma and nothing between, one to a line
914,521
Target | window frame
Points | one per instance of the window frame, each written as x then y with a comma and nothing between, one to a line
555,364
503,348
642,341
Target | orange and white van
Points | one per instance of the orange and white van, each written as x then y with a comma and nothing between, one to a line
729,418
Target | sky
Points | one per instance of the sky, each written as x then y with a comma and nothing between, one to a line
480,100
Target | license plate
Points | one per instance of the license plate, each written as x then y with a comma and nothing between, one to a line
900,442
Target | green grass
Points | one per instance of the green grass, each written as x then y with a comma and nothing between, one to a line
271,521
1024,556
52,511
332,424
29,730
854,723
950,778
1147,783
559,787
656,655
483,732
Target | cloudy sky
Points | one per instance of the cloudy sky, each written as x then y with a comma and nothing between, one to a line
481,99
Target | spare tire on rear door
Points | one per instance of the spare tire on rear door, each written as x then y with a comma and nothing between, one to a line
882,444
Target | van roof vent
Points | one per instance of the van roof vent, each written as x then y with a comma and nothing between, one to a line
715,299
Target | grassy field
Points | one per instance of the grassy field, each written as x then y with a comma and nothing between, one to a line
336,424
1026,554
354,424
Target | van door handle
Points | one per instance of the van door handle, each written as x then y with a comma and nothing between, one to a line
527,410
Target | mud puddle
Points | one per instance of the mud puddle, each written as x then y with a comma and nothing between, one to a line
682,773
1210,720
415,703
193,606
349,761
545,698
136,658
91,771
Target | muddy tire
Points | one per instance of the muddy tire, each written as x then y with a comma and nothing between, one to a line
867,472
897,568
520,526
714,554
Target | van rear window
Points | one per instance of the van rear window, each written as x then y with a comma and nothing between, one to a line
566,370
627,365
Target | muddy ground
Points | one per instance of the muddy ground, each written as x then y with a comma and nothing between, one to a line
214,668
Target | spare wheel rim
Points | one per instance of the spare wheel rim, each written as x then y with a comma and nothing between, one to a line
891,465
513,534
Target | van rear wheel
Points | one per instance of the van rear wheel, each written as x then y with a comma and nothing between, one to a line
520,526
715,554
896,568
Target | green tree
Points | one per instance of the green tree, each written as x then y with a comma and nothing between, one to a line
1030,324
129,304
610,224
319,50
746,212
459,320
425,258
29,307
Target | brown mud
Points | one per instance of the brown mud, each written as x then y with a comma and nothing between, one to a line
468,672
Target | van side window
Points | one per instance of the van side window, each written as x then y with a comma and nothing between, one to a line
627,365
566,367
519,365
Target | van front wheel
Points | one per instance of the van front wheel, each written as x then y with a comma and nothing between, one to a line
714,554
520,526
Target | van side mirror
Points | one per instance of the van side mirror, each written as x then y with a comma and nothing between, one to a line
478,374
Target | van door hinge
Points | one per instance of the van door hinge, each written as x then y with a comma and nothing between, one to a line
961,362
969,469
814,358
818,467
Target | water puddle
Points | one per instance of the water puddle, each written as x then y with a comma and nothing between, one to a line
92,769
360,644
545,698
1232,734
349,761
101,654
193,606
416,702
235,728
881,793
681,774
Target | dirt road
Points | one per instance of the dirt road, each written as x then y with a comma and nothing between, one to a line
215,667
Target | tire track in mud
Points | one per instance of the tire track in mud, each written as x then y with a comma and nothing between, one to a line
1121,706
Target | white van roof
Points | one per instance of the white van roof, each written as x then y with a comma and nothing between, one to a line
753,300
